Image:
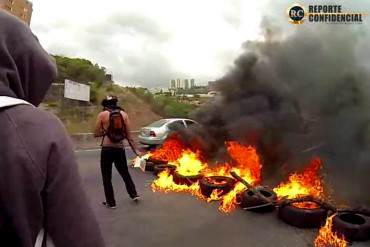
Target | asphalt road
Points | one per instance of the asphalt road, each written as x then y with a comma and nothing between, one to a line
179,220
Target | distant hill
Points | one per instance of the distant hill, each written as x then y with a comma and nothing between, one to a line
79,117
79,70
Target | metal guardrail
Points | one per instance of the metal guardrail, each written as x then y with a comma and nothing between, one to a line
90,133
89,136
87,140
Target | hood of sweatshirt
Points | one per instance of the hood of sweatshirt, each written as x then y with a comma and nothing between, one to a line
26,69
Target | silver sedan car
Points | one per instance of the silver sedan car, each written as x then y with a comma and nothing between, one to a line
157,132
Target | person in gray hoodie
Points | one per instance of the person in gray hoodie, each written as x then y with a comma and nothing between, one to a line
40,187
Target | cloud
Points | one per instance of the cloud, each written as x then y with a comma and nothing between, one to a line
130,46
148,42
301,86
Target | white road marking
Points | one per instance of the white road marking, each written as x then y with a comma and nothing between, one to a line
93,150
86,150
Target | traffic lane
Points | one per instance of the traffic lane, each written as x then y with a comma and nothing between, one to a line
177,219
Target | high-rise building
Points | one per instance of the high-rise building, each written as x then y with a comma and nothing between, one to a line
20,8
108,77
178,83
186,82
192,83
173,84
212,85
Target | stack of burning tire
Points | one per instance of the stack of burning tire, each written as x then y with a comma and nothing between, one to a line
222,184
187,179
306,212
309,212
258,199
162,167
152,163
354,225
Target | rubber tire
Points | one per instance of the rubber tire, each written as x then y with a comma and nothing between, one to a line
207,188
301,217
152,146
249,199
186,180
157,162
352,232
149,167
160,168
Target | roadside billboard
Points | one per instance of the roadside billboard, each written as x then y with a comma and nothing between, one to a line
76,91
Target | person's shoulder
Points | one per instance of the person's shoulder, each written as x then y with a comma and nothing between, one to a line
103,113
38,132
102,116
30,114
124,114
35,121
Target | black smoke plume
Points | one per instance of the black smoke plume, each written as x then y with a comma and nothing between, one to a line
294,96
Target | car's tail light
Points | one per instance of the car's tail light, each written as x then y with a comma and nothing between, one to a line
152,133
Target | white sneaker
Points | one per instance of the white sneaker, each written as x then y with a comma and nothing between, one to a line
109,206
136,198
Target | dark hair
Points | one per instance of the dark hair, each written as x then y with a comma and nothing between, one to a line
109,102
104,103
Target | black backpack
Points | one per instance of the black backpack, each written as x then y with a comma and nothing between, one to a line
116,130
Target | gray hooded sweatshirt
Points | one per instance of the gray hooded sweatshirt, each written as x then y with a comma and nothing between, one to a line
39,182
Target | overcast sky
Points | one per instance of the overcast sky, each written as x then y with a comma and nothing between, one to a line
149,42
146,42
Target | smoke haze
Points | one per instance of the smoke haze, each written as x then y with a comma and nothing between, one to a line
296,94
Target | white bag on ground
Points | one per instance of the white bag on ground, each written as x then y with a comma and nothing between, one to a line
140,162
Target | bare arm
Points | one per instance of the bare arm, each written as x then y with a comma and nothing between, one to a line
98,130
128,134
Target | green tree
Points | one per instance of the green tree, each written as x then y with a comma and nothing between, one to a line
164,105
79,70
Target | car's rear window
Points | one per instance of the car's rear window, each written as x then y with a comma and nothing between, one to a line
158,123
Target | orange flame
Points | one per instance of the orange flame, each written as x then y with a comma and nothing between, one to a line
215,196
328,238
219,170
303,184
189,164
166,184
171,150
247,159
306,205
246,164
229,201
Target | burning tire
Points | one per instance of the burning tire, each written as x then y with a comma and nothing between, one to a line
353,226
156,162
152,163
221,183
149,167
249,199
303,217
186,180
160,168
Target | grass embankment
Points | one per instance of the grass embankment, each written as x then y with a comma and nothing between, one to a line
163,104
142,106
81,119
